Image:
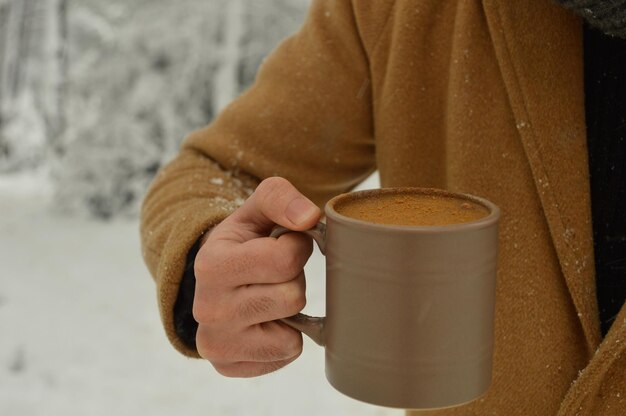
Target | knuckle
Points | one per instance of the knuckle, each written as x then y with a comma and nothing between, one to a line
253,307
284,345
295,300
273,189
292,343
201,266
299,303
267,353
205,263
225,268
207,315
287,264
212,350
205,352
273,185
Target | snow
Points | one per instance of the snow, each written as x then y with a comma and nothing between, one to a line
81,333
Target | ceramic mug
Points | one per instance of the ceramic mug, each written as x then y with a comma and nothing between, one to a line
409,309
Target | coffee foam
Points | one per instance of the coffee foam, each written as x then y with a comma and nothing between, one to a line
406,208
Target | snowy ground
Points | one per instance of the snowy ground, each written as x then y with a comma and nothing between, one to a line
80,333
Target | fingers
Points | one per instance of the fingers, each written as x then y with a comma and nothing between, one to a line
241,337
263,303
261,348
249,305
274,201
261,260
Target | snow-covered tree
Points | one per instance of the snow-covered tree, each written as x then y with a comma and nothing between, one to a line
142,75
102,92
33,69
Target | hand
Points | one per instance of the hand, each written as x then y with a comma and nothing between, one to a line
245,281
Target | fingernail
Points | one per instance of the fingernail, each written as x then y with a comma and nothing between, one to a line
299,210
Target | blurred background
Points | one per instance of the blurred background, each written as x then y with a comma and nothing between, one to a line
94,97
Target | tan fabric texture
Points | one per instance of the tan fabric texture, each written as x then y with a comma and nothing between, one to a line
483,97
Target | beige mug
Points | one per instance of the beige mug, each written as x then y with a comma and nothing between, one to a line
409,308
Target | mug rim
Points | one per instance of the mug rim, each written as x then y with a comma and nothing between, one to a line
486,221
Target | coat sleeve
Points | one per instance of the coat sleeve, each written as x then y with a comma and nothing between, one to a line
307,117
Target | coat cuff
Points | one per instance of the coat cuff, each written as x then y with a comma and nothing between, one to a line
185,325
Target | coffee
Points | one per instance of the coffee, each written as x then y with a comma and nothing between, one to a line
407,208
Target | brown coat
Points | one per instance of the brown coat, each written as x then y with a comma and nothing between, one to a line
477,97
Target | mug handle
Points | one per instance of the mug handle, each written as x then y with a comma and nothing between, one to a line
310,325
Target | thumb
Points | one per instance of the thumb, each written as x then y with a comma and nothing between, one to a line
277,201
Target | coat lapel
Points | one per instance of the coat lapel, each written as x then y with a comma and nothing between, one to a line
539,48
